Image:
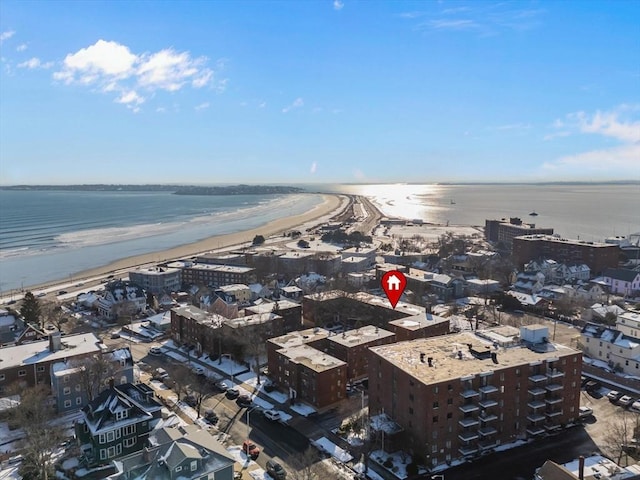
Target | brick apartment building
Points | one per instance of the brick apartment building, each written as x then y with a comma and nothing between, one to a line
597,256
193,326
313,337
458,396
351,347
419,326
505,231
213,275
310,375
291,312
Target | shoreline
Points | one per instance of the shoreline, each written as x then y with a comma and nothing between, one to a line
332,205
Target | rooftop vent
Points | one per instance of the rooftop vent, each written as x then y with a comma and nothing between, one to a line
422,357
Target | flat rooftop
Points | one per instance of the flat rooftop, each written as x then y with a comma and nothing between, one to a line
447,364
311,358
266,307
234,287
570,241
373,300
300,337
211,267
417,322
155,271
255,319
361,336
199,315
37,352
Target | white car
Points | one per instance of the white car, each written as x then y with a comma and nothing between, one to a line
272,415
585,412
198,370
635,407
625,401
155,351
613,395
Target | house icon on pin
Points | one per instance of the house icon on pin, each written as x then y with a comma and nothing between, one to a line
393,283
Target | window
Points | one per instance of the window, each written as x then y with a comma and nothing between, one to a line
129,442
178,469
103,454
101,438
22,373
410,411
123,379
111,452
67,403
435,419
78,401
435,404
122,414
66,379
40,368
78,388
449,401
1,376
194,465
67,390
449,415
111,436
411,397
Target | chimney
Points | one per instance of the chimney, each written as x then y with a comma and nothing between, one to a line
55,342
430,361
422,357
460,354
581,467
494,357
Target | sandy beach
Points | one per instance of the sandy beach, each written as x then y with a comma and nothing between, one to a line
332,205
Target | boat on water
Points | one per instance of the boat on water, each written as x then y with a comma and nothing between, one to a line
453,202
533,214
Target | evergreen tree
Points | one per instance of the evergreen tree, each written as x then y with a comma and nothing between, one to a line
30,309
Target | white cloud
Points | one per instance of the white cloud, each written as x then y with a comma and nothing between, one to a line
202,106
297,103
616,124
113,67
34,63
262,104
6,35
514,126
337,5
314,167
161,109
130,97
22,47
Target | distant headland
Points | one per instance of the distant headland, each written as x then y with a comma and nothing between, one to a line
175,189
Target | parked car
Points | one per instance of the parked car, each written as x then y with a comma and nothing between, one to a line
272,415
232,393
62,292
251,449
585,412
160,374
222,385
592,386
211,416
270,387
275,470
115,335
198,370
626,400
156,351
635,406
191,400
244,401
614,396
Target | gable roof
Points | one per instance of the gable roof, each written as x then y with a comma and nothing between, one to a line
623,274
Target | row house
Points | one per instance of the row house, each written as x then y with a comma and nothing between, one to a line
623,281
116,423
618,346
310,375
459,396
30,364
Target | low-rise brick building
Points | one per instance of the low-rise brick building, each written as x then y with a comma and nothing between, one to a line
313,337
458,396
419,326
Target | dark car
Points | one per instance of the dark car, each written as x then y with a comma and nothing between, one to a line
233,393
211,417
275,470
222,385
244,401
191,400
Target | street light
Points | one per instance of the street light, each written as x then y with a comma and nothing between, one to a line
249,410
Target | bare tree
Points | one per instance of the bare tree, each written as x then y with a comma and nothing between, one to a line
306,465
124,311
94,372
33,415
182,377
52,312
201,390
620,432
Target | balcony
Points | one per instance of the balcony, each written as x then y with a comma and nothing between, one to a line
553,414
468,436
488,444
538,378
486,431
469,393
535,417
550,427
468,422
553,400
536,404
554,387
487,403
555,374
488,389
535,430
488,417
468,450
535,391
469,407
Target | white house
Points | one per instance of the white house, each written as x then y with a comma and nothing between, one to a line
623,281
119,293
611,345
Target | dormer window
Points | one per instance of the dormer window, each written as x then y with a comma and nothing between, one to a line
122,414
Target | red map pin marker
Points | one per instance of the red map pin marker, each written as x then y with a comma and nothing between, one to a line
393,284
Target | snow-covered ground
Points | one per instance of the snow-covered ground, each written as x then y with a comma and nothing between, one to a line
259,474
303,409
239,456
326,445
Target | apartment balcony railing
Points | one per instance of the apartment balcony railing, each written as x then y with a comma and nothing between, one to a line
466,450
487,403
535,417
536,404
555,374
469,407
468,436
553,400
469,393
468,422
488,389
535,430
553,413
538,378
489,417
554,387
535,391
487,431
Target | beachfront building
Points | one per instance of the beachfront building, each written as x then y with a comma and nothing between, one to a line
310,375
157,280
213,275
73,381
30,364
597,256
185,452
457,396
121,298
116,423
506,230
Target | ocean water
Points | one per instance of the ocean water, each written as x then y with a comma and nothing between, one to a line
49,235
589,212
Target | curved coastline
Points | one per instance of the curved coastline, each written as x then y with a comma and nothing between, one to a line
331,206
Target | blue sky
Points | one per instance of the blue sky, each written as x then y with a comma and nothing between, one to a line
318,91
